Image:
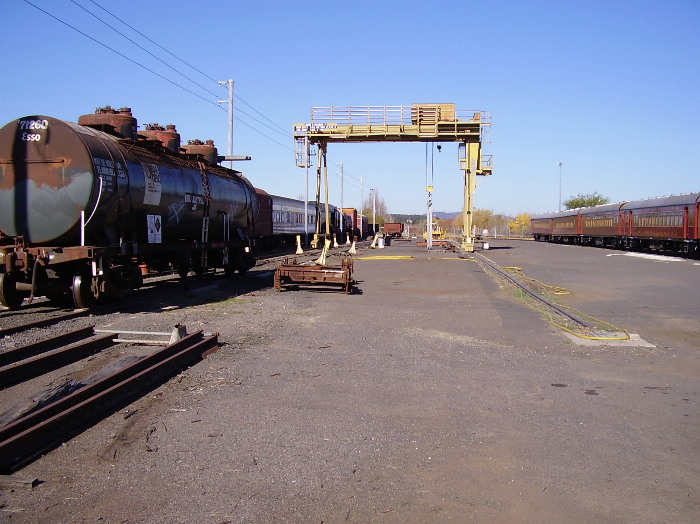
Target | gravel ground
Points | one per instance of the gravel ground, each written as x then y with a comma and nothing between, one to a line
430,395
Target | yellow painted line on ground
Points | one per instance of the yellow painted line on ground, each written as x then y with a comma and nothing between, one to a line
451,258
386,257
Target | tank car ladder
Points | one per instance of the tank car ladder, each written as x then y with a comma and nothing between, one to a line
205,218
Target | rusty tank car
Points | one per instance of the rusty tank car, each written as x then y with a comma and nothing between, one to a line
85,207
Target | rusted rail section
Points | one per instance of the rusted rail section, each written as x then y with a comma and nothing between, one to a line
15,355
292,273
34,359
26,438
46,322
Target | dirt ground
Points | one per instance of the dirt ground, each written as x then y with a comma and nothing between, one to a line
429,395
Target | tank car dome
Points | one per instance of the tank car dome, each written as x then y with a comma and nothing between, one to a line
114,121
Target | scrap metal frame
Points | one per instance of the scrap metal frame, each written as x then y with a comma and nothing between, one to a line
290,272
414,123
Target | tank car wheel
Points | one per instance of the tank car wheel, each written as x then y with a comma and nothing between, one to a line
9,295
83,296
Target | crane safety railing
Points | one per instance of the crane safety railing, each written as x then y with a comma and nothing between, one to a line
395,115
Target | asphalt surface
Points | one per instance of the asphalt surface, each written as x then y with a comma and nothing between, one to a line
432,394
655,296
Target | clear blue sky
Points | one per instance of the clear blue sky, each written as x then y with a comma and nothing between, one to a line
609,88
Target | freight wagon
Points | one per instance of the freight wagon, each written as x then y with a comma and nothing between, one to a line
393,229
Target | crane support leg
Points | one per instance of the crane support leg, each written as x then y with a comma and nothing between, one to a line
470,168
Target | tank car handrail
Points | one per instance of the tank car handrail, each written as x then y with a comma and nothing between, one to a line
84,222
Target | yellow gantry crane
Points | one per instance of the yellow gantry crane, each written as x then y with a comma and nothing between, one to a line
412,123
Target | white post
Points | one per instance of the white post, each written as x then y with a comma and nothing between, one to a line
559,164
307,147
82,228
342,214
374,211
230,117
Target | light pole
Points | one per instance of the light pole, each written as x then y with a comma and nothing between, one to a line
559,164
229,83
374,211
342,213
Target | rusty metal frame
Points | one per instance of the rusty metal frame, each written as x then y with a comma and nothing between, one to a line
291,273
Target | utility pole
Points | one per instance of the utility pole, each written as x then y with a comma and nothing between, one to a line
374,211
230,118
359,214
307,161
429,218
342,213
559,164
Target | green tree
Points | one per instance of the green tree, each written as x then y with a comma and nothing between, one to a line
380,209
483,219
590,200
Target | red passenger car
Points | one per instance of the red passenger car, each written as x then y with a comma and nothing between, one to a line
660,224
668,223
600,225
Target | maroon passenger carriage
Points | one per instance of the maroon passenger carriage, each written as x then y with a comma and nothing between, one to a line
82,206
662,224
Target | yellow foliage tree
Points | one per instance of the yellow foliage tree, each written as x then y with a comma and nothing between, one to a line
521,225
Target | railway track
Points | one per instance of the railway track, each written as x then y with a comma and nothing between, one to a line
60,416
47,314
544,301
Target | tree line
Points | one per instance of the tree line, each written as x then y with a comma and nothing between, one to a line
483,220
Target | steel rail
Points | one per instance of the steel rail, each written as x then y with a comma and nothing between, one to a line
25,439
4,332
55,355
15,355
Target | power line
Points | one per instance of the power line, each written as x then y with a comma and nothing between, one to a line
190,66
263,134
281,129
285,133
153,42
122,55
139,45
163,77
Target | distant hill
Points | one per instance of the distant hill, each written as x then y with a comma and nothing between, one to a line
441,215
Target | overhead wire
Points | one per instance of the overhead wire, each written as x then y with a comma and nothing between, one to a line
154,42
238,97
120,54
276,127
139,45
